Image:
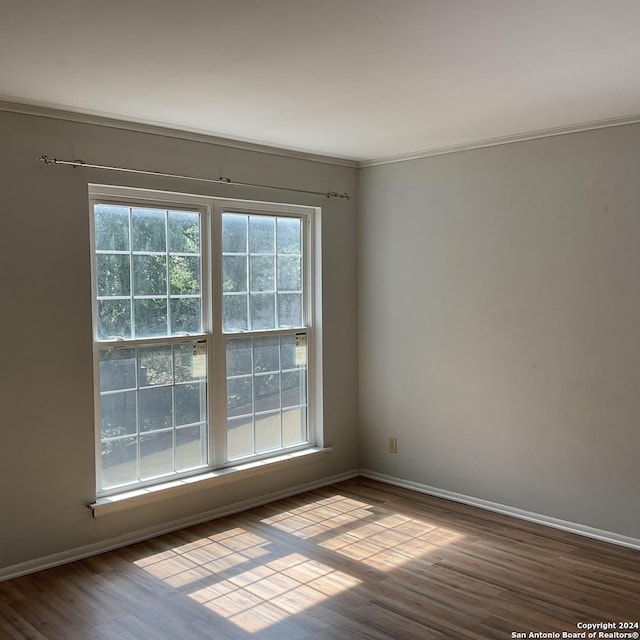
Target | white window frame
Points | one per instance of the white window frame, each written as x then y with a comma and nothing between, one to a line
211,210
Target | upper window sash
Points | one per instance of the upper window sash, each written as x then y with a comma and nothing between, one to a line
257,270
157,264
263,272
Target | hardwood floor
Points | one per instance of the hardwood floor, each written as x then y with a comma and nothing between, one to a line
354,560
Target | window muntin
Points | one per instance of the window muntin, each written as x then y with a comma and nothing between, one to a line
151,275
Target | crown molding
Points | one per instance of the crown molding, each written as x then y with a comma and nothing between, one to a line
159,129
194,135
500,140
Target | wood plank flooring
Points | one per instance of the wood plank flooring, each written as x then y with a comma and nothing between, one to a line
355,560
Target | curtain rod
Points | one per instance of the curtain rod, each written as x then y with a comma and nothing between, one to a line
222,180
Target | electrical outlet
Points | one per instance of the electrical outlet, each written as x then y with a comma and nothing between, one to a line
393,445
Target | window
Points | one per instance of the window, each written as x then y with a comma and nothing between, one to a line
203,333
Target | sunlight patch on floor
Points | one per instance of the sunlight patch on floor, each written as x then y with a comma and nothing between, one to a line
387,544
220,552
320,516
256,582
260,597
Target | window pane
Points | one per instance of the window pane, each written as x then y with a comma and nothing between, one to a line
289,310
186,315
112,274
156,366
149,230
190,448
190,403
239,396
294,426
150,275
289,273
114,319
186,365
184,275
239,357
262,273
150,317
111,227
184,232
263,309
156,454
288,352
267,392
239,437
235,313
119,462
294,391
156,408
118,414
268,432
266,354
234,233
289,235
234,274
262,234
117,369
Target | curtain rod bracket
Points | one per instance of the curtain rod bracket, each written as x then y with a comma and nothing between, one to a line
335,194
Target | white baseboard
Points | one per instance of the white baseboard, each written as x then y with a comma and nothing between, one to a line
78,553
556,523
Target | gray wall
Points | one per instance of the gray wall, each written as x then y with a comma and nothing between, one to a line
46,411
499,324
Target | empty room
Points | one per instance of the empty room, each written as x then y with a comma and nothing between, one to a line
321,319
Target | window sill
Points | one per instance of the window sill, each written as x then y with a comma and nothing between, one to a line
210,479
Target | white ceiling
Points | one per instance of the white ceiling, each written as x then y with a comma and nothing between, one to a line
357,79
